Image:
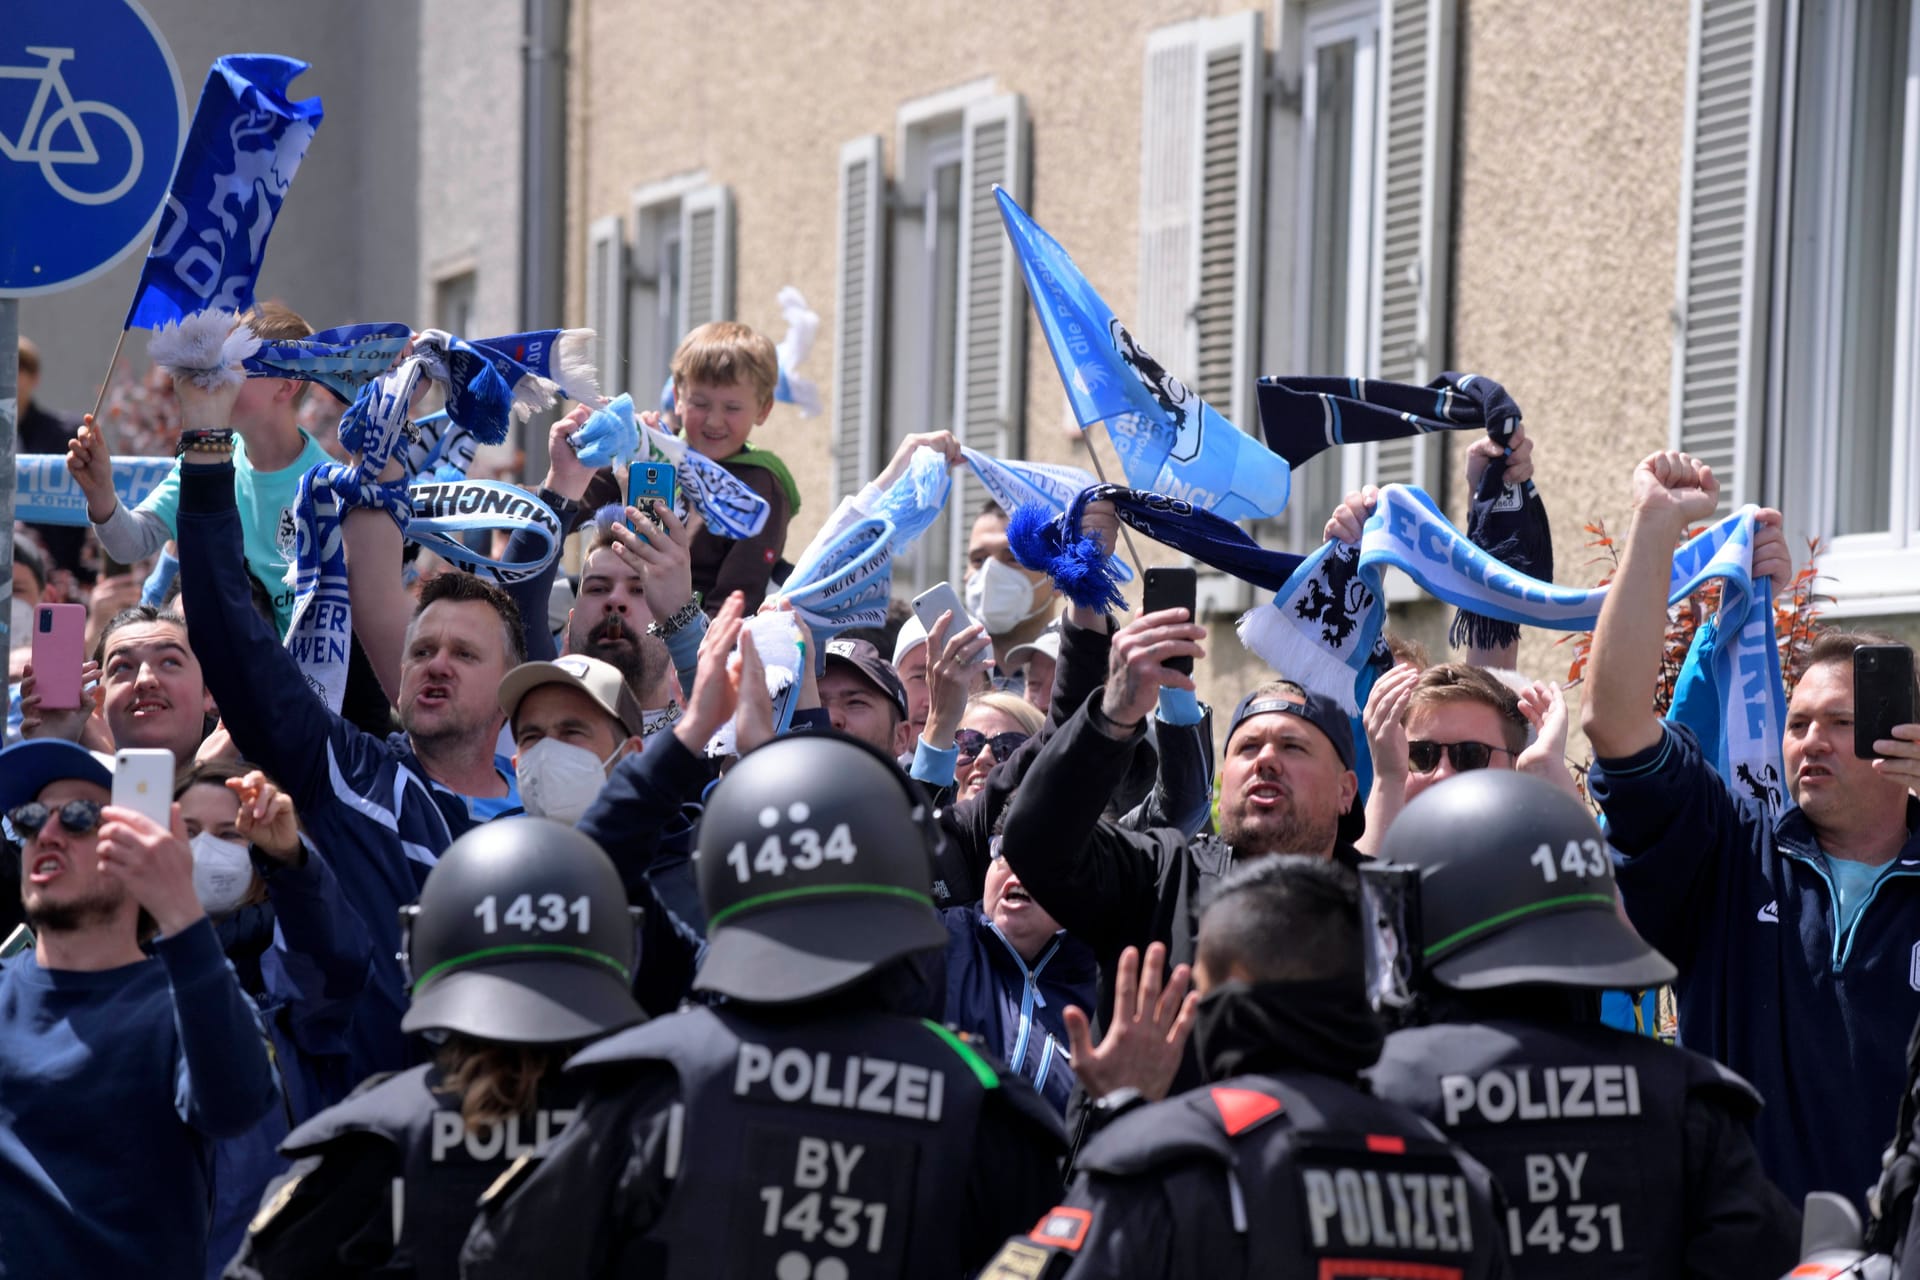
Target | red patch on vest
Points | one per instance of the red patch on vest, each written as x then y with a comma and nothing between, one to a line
770,555
1386,1144
1063,1227
1241,1109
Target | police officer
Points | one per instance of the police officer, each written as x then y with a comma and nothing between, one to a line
1497,926
806,1128
1282,1165
521,950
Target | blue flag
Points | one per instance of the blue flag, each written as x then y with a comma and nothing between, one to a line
1169,440
242,150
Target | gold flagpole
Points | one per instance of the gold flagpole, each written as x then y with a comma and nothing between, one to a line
99,429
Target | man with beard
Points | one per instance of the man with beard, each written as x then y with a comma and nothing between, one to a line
1287,786
390,805
112,1063
636,612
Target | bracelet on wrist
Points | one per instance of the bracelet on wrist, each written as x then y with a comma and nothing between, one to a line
679,620
216,440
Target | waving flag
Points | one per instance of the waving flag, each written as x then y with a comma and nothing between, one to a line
242,150
1169,440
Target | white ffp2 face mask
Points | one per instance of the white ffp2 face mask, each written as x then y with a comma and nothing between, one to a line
560,781
222,873
1000,596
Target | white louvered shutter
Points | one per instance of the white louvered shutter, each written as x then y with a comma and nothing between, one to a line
990,332
859,300
1170,167
607,298
1720,314
706,257
1412,211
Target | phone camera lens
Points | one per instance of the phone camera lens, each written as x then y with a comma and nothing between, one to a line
46,620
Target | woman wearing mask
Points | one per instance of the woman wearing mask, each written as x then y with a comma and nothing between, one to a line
253,870
520,950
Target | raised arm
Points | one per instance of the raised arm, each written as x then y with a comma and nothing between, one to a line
1670,491
378,593
565,485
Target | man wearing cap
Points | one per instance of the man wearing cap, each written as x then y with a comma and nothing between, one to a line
1495,931
810,1126
1287,786
572,719
1035,662
862,695
117,1070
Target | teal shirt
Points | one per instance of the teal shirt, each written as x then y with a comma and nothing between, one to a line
266,520
1853,882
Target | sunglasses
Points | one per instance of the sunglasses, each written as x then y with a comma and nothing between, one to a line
1424,757
77,816
971,742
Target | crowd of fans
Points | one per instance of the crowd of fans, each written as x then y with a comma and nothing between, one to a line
1087,845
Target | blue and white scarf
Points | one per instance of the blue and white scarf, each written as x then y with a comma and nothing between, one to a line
1048,486
342,360
1323,629
560,357
728,504
845,583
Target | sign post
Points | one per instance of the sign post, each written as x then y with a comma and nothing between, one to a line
92,115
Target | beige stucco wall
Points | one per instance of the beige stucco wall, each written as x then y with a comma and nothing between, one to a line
1566,199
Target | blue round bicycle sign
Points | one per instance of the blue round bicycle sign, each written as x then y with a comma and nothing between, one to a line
92,115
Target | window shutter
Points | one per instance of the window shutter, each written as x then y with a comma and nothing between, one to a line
1230,150
607,298
990,332
1725,240
1170,167
859,299
706,262
1412,234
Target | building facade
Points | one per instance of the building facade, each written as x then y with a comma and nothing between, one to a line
1653,222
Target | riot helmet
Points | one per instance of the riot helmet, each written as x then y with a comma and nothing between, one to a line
815,865
522,934
1498,879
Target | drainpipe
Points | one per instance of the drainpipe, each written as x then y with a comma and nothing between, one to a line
543,190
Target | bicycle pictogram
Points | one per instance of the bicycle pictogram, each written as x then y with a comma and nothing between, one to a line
39,140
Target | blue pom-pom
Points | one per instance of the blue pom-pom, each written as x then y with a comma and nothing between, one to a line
1034,534
1086,575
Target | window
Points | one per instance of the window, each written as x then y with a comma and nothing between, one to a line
1294,219
930,319
645,291
453,297
1795,356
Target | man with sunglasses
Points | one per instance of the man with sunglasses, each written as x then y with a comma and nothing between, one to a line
1426,726
112,1062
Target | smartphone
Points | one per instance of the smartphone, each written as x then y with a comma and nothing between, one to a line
936,600
59,634
143,782
1172,589
646,482
1882,694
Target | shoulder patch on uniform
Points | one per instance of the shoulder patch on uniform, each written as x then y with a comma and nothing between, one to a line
271,1209
515,1174
1242,1109
1063,1227
1017,1260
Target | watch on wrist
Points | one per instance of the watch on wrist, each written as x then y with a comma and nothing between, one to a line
209,440
678,620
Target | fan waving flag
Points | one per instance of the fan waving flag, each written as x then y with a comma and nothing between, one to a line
242,150
1169,440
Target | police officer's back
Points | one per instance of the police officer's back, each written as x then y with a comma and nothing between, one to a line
808,1126
520,950
1281,1166
1619,1156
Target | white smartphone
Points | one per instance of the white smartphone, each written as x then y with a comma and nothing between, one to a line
143,782
936,600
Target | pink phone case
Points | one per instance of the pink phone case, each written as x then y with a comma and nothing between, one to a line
59,635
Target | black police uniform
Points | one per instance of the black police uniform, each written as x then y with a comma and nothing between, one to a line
387,1183
856,1146
1274,1175
1619,1156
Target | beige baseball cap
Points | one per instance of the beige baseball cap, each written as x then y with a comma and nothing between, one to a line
599,680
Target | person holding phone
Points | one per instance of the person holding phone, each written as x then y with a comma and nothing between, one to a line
1797,936
120,1069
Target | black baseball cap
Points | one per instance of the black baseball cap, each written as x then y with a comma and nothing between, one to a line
1324,714
863,657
